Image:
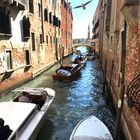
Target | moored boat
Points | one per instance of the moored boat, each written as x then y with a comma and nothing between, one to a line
91,128
91,56
66,72
77,51
80,60
26,118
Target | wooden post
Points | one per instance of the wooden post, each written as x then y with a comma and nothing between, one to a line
122,89
104,85
109,83
119,111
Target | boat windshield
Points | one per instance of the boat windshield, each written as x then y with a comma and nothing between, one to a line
30,91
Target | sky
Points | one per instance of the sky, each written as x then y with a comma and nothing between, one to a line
82,18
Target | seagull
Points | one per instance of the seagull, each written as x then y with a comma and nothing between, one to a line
83,5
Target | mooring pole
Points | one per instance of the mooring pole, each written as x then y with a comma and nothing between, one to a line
122,87
119,110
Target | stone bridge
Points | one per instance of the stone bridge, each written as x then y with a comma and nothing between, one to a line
85,44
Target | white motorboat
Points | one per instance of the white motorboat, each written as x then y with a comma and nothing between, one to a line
91,128
26,119
81,60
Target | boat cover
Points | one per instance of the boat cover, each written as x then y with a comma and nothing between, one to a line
15,113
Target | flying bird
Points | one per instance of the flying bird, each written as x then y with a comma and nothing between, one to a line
83,5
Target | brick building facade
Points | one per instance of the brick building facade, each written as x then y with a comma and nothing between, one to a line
116,33
30,38
66,27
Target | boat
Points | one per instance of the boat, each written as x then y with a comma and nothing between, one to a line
78,51
26,118
91,56
66,72
80,60
90,128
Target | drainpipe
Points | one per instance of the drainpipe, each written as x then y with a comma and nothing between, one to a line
122,86
42,22
56,41
102,33
66,29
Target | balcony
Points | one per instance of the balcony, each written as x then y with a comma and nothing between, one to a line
130,10
15,3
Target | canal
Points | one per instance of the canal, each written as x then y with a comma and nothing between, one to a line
74,101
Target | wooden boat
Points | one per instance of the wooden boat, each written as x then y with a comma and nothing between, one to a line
90,128
26,119
66,72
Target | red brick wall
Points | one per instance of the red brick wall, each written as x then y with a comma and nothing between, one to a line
112,45
132,52
66,29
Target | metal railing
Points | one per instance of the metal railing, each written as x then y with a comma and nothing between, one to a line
133,93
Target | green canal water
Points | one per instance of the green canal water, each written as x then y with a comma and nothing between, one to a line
74,101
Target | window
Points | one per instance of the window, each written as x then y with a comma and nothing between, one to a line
50,17
26,27
54,39
33,41
31,6
39,10
27,57
5,22
47,40
54,20
9,60
41,39
51,39
45,14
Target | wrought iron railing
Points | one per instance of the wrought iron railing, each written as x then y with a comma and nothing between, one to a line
133,93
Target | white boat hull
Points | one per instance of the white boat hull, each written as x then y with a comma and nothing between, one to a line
90,128
33,128
26,119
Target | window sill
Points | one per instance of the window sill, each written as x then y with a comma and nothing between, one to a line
6,35
27,67
26,37
9,71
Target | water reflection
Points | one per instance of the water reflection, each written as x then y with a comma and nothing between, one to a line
74,101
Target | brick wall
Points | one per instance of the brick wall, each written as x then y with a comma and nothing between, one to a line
111,45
